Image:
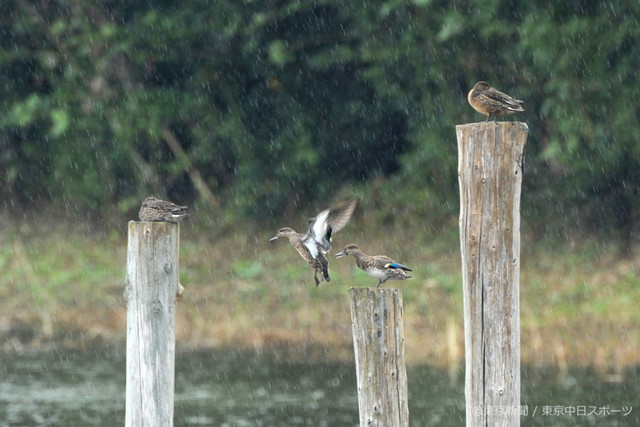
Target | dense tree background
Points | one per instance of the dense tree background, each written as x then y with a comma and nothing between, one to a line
251,109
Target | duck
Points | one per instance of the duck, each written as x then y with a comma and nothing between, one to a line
491,102
379,267
314,245
153,209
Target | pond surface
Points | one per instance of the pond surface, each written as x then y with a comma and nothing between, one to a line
240,389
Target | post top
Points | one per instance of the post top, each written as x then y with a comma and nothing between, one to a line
155,226
134,221
504,125
373,290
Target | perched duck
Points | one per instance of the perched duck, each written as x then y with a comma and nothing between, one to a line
153,209
316,242
379,267
491,102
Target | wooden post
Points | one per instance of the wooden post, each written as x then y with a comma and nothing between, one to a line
150,292
490,176
378,341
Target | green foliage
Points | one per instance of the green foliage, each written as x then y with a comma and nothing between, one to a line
283,103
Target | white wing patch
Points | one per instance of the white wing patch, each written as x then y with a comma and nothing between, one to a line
319,227
311,244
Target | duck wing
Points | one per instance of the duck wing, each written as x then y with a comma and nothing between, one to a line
329,221
386,262
312,245
504,99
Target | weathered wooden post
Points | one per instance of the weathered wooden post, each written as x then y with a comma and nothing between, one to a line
378,341
150,292
490,157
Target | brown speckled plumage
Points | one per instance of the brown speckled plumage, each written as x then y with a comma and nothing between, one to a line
379,267
314,245
153,209
491,102
320,264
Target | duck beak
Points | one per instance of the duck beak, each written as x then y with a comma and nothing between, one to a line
341,254
273,238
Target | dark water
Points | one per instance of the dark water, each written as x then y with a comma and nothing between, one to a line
236,389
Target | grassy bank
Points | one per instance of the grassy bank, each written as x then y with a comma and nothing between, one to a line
62,286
